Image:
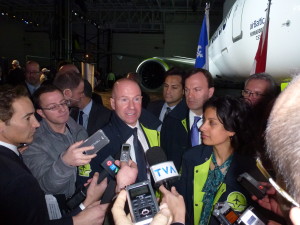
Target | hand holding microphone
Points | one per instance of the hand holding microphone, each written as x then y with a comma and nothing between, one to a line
127,174
109,170
175,203
163,171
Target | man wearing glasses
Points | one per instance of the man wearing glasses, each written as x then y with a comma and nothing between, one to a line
32,76
259,87
54,154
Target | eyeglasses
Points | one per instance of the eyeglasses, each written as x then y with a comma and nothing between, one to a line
56,107
280,190
247,93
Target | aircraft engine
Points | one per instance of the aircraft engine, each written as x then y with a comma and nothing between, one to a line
152,70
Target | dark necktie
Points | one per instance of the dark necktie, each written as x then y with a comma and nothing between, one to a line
195,132
140,157
20,156
167,112
80,119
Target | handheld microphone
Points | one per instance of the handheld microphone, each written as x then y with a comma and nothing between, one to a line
163,171
110,170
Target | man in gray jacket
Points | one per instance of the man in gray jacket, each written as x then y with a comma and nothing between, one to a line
54,154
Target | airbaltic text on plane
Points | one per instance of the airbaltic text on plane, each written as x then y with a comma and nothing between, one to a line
256,23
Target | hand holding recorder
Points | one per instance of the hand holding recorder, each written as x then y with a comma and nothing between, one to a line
74,156
82,152
163,217
127,174
269,201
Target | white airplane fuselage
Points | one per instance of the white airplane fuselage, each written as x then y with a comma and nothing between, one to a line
233,46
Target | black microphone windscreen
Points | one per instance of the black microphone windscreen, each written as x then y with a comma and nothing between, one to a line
155,155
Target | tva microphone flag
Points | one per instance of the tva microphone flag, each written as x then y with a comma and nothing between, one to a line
202,49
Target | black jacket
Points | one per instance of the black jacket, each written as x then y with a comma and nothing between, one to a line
22,199
99,116
118,133
155,107
174,137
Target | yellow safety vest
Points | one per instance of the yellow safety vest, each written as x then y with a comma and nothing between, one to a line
200,177
153,136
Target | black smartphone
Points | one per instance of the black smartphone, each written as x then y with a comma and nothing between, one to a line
252,185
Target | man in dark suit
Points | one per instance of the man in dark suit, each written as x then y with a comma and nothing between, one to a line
172,93
91,115
172,112
22,200
199,87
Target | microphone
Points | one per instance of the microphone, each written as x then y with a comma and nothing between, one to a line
110,170
163,171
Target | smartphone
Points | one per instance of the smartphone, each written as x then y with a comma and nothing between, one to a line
252,185
125,153
142,202
98,140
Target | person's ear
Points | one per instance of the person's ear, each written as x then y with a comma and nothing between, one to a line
231,134
67,93
113,103
211,92
41,113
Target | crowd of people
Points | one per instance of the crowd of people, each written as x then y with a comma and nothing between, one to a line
211,140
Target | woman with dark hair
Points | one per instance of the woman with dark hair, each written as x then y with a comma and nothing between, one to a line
210,171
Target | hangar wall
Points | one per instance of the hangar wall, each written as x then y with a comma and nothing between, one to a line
16,43
128,49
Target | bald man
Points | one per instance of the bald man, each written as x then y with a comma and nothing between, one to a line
68,68
128,124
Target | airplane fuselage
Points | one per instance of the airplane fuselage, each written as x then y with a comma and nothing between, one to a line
234,44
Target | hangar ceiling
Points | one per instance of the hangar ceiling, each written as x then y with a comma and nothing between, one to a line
80,27
114,15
